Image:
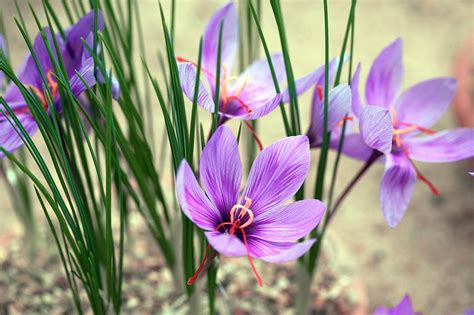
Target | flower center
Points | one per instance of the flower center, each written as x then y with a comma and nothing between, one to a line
53,86
401,128
237,214
398,132
225,97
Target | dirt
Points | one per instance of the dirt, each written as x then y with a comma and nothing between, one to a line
430,254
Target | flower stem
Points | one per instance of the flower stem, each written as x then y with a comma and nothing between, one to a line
375,155
314,257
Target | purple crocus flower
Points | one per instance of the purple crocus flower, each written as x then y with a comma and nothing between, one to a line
249,96
405,307
392,124
257,223
77,61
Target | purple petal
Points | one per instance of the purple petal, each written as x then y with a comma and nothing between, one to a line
315,78
279,253
257,78
192,200
239,109
116,91
226,244
356,103
397,186
230,39
424,103
9,138
220,169
444,146
81,30
339,104
354,147
187,77
28,73
376,128
290,222
84,78
277,173
385,76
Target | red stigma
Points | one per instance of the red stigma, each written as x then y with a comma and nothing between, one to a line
237,224
254,135
426,181
430,185
319,90
201,266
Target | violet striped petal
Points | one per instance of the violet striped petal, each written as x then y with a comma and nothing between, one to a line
396,189
230,39
187,77
339,104
445,146
315,78
278,253
84,78
220,169
354,147
405,307
290,222
239,109
376,128
277,173
424,103
10,139
257,78
385,76
356,102
226,244
192,200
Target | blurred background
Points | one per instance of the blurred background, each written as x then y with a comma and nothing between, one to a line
430,255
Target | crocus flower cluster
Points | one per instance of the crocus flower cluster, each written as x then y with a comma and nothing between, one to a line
393,125
257,223
248,96
79,65
405,307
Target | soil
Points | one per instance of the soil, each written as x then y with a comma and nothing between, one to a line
430,254
34,285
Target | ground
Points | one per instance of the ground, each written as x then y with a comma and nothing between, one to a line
430,254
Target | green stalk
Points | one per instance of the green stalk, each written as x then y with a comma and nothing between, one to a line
318,194
215,115
286,123
350,25
295,115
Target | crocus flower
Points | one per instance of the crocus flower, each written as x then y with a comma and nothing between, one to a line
258,223
3,48
76,60
392,125
248,96
405,307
